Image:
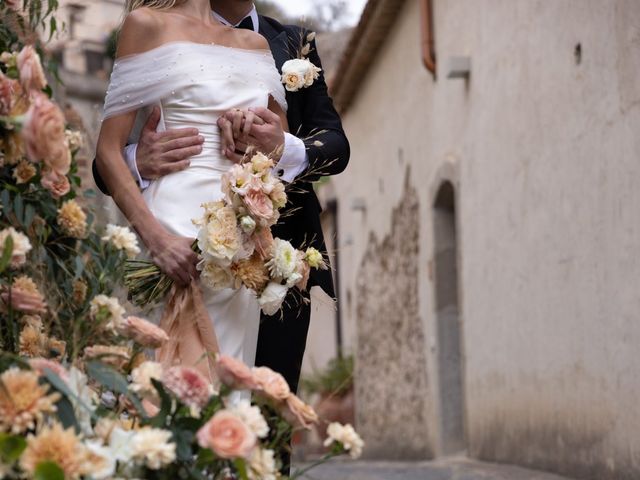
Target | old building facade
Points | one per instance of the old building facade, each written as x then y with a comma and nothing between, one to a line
488,234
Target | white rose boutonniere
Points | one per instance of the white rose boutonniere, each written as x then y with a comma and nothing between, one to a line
300,72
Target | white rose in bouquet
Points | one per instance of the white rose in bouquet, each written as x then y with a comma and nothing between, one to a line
271,299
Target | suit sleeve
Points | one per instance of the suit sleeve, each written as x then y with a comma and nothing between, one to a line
327,146
98,179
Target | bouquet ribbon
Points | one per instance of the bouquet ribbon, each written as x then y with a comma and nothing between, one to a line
192,338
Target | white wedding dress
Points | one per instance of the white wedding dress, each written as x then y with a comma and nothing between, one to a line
194,84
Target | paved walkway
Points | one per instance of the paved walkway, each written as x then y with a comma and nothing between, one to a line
447,469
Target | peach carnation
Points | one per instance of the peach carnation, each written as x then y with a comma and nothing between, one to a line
271,384
32,342
24,172
252,273
72,219
54,444
144,332
227,435
23,401
234,374
189,385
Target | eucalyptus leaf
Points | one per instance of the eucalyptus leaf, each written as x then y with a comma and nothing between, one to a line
241,467
63,388
18,208
66,415
48,471
79,268
11,447
7,207
6,253
166,403
115,381
29,214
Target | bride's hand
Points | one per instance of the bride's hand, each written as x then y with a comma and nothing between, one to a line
235,128
175,257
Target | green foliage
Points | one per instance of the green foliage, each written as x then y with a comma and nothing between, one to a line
11,447
48,471
335,379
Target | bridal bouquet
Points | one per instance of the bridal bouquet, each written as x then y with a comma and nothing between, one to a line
235,243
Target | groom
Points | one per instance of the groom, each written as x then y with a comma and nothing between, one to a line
318,148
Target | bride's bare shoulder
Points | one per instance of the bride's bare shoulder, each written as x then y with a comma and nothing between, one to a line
141,31
248,40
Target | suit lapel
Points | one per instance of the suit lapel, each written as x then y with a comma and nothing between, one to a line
277,42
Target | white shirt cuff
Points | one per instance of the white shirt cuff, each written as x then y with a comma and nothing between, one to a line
130,159
294,159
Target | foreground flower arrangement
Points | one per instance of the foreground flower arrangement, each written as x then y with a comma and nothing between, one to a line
235,243
53,257
117,415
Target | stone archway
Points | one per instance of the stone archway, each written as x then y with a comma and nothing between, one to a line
450,361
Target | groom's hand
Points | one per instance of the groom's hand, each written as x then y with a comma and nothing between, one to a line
161,153
257,127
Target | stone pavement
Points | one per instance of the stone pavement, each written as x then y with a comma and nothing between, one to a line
446,469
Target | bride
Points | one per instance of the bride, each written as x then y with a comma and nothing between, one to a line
174,54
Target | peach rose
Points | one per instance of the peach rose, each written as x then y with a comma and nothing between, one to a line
7,92
227,435
263,241
271,384
145,333
260,206
57,184
299,413
31,73
234,373
44,136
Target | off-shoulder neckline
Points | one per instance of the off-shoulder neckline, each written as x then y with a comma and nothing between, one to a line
261,51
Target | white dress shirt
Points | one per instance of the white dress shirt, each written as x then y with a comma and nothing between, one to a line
294,158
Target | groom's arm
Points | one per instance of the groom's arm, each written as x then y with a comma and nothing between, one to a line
157,153
326,144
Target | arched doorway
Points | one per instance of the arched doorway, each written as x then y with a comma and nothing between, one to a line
448,323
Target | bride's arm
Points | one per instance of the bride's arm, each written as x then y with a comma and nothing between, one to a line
173,254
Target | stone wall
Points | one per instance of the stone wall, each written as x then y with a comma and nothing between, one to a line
391,361
543,139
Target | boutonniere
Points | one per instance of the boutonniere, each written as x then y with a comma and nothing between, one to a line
300,72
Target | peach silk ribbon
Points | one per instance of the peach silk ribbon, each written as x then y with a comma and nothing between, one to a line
192,338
